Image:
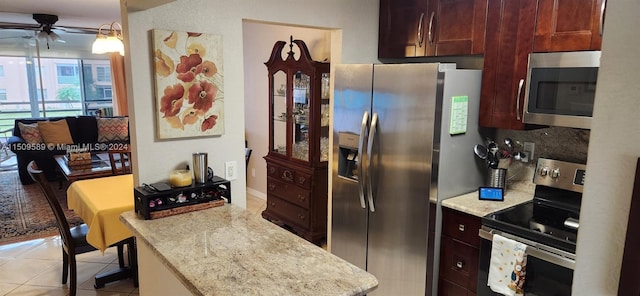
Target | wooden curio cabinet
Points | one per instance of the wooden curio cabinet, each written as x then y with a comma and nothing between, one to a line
297,174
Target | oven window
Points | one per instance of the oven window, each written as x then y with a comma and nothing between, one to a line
563,91
542,278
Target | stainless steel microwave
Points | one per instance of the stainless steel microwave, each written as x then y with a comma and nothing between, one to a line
561,88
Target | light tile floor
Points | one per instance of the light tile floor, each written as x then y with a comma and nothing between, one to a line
35,267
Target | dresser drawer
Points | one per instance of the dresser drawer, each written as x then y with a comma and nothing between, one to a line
461,226
459,263
288,211
289,192
289,175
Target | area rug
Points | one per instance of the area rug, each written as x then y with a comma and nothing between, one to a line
24,211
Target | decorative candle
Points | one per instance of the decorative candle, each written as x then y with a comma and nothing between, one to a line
180,178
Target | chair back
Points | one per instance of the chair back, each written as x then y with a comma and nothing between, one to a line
120,161
247,155
63,225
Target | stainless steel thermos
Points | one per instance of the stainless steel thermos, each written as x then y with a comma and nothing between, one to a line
200,167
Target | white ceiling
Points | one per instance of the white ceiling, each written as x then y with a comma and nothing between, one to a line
71,13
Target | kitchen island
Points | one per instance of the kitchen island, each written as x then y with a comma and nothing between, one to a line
229,251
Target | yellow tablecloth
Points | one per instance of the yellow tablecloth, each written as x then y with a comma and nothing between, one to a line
99,202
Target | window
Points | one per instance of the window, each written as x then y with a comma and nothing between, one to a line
103,73
68,74
107,93
46,95
69,86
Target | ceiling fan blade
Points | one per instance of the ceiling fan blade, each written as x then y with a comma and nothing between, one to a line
19,37
76,30
16,26
38,27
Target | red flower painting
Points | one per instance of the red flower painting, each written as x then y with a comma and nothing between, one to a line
189,83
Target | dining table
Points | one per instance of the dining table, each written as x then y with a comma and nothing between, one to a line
99,202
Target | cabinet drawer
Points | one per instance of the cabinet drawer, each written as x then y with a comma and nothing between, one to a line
447,288
289,192
289,175
273,171
288,211
459,263
461,226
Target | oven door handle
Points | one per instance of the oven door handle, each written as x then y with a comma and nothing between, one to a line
549,254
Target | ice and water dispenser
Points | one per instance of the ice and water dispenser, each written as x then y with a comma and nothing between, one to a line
348,155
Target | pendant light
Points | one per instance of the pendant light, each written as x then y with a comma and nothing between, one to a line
111,42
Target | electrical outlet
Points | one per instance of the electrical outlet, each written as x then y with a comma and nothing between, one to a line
230,170
529,148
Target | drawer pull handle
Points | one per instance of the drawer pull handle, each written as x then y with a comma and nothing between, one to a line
272,170
287,175
301,217
302,180
273,204
272,186
459,264
461,227
301,197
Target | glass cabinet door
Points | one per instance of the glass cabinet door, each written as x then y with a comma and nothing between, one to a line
324,117
300,111
279,116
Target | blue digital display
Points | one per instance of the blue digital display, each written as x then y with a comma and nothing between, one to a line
491,193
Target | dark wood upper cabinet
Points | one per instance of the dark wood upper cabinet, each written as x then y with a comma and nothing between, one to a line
456,27
417,28
509,40
569,25
401,28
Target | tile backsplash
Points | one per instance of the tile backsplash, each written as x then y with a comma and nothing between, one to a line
566,144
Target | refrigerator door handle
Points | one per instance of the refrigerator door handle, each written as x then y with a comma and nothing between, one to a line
373,129
361,157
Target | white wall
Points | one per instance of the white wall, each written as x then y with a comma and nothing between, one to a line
258,41
155,159
614,148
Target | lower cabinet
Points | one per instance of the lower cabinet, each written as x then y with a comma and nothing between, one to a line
459,253
297,199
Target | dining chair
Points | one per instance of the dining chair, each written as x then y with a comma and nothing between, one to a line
247,155
74,239
120,160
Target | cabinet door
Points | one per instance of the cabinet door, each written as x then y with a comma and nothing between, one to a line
509,40
455,27
279,113
401,31
569,25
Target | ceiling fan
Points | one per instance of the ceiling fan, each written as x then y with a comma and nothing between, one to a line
46,28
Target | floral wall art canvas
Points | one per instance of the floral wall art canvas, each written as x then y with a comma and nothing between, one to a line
189,84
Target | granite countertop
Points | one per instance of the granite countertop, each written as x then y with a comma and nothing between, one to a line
469,203
229,251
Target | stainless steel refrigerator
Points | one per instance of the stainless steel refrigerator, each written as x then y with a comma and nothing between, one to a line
402,134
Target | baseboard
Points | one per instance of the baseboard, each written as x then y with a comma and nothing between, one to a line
256,193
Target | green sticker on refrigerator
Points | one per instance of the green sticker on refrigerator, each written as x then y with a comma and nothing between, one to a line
459,112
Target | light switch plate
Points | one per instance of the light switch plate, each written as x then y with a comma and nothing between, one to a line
231,170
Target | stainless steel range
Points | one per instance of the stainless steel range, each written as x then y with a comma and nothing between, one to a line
548,225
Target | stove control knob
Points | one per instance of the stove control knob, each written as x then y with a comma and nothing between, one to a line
544,171
555,173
